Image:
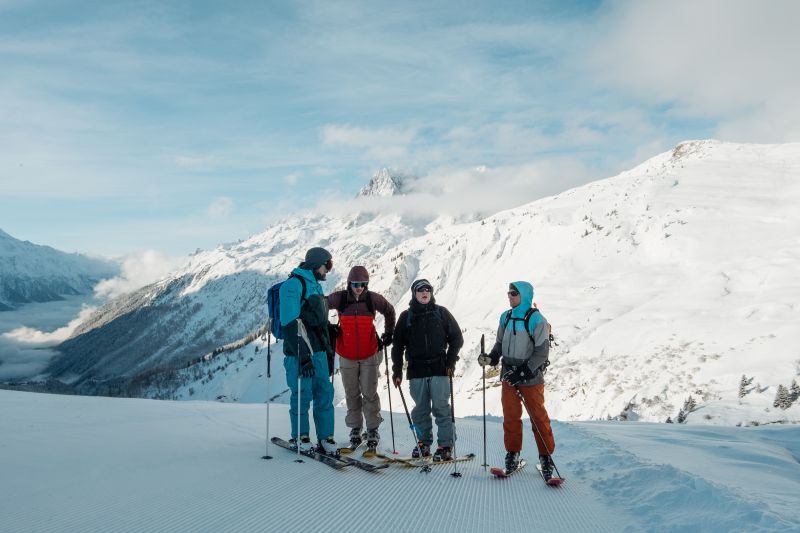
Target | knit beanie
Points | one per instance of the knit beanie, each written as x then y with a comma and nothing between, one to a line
315,258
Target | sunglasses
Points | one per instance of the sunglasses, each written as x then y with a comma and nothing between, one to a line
329,265
358,284
513,293
424,289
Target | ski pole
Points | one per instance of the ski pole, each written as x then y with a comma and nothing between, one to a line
455,473
269,374
301,334
297,435
389,391
410,423
483,353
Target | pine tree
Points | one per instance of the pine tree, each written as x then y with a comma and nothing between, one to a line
688,406
782,400
743,387
794,391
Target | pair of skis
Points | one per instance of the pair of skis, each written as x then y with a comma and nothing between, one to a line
334,461
416,462
502,473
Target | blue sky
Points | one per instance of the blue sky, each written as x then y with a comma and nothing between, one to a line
128,126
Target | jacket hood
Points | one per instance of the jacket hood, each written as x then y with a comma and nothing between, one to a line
526,302
358,273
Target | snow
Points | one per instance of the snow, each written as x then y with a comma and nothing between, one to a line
74,463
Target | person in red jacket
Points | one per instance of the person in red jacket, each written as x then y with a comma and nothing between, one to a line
359,348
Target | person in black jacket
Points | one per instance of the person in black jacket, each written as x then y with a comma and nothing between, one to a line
430,338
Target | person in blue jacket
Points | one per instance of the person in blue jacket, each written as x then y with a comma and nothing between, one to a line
301,296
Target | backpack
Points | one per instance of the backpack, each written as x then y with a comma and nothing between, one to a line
343,303
526,321
436,312
274,304
551,338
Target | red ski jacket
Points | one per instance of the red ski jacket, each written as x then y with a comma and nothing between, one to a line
358,339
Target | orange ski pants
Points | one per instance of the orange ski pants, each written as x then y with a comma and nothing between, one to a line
512,418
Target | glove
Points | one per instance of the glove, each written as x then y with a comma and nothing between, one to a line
307,368
397,380
386,339
450,370
517,374
484,360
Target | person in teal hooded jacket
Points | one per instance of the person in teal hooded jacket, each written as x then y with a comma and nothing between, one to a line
524,352
302,297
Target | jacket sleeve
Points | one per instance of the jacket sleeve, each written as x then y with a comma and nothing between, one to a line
497,349
333,299
387,310
399,346
455,340
541,344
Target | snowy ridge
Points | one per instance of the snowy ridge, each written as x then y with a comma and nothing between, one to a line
34,273
196,466
673,279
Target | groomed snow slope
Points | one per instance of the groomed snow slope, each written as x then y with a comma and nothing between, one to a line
102,465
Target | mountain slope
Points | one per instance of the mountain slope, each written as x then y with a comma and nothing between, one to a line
670,280
35,273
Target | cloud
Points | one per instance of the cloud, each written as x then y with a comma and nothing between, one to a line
137,270
220,208
24,351
732,61
469,192
290,179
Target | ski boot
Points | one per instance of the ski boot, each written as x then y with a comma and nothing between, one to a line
546,463
328,446
305,443
421,450
355,438
443,453
372,442
512,462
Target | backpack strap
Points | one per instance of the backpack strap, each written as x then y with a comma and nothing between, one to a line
370,304
302,286
343,302
526,321
436,311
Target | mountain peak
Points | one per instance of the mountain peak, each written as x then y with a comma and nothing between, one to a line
385,182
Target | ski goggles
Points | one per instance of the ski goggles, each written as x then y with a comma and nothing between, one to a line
513,294
329,265
424,289
358,284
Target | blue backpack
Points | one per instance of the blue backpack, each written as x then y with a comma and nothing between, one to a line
274,304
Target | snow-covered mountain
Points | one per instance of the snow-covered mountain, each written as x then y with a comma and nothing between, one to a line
674,279
35,273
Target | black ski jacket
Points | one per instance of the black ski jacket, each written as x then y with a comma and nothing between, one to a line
430,338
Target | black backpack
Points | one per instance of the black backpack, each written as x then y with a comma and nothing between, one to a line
436,312
526,321
343,302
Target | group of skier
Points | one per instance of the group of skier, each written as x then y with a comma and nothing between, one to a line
427,338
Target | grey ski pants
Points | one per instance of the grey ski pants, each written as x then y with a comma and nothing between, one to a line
360,382
432,396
